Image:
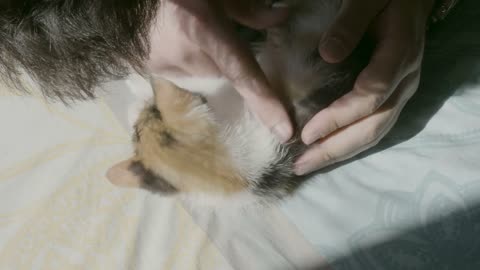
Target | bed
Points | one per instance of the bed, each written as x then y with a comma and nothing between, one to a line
411,202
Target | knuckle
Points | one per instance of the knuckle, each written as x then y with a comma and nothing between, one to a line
327,156
334,122
376,101
373,135
369,82
374,90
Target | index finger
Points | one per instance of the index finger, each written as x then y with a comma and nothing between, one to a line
236,61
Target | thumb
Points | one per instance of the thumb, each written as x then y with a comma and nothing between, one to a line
347,30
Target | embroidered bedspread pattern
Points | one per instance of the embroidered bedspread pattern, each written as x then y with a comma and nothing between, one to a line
57,210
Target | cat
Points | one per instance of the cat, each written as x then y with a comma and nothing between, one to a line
196,138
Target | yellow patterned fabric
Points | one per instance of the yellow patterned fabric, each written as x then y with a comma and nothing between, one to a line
58,211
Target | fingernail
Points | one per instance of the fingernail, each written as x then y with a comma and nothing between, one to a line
283,131
302,168
334,47
279,5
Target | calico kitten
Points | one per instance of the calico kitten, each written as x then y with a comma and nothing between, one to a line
197,137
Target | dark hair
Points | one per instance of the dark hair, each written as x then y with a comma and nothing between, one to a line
69,47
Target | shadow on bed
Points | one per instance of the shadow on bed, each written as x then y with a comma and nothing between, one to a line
452,60
451,242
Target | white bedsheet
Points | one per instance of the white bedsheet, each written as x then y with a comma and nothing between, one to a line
59,212
413,202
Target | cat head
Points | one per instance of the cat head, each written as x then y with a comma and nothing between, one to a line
177,148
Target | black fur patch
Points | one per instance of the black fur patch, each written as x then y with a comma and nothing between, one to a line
201,97
69,47
155,113
279,179
151,181
136,134
166,139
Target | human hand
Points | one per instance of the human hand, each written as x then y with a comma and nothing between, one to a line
359,119
195,38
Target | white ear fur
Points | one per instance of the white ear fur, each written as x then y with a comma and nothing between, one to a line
121,175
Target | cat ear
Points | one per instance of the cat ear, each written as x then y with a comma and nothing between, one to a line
164,87
122,175
132,173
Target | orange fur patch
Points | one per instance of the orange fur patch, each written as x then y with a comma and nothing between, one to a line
192,158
